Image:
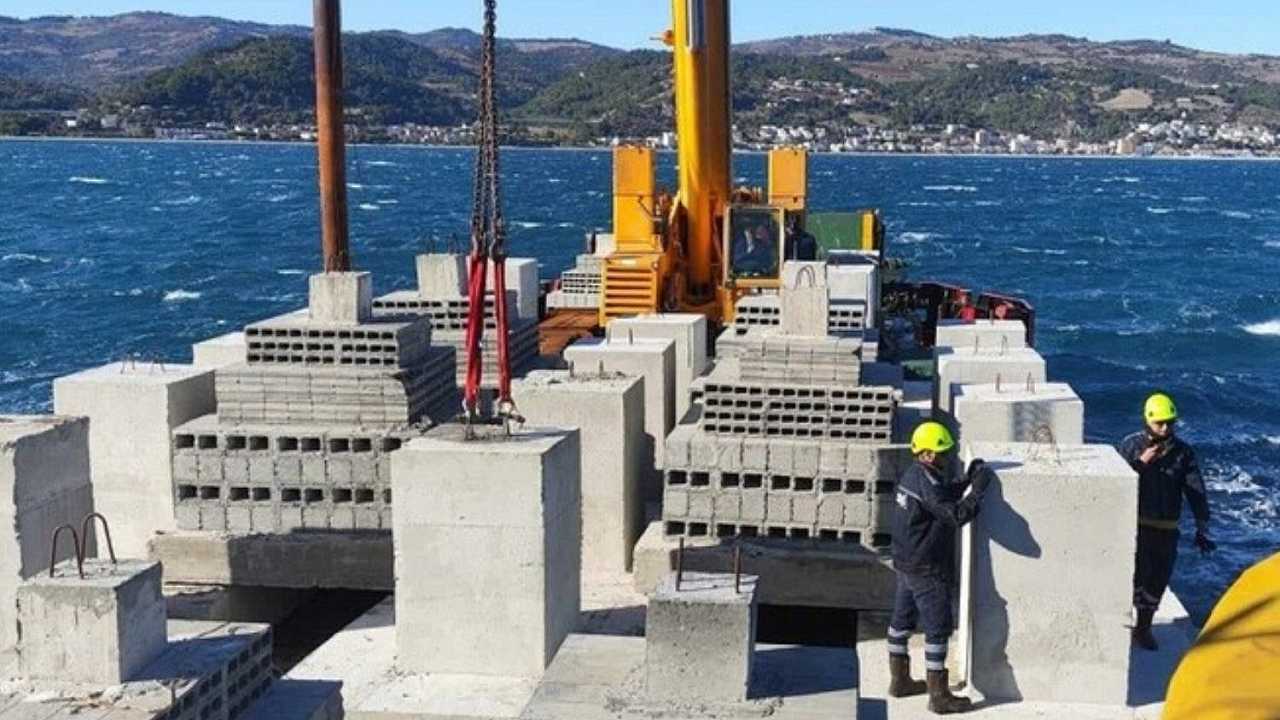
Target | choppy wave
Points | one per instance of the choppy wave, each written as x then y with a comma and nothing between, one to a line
528,225
279,197
951,188
291,271
181,296
389,201
1273,244
368,206
1159,210
1236,214
1122,179
1195,199
26,257
87,180
188,200
355,186
1270,327
918,237
380,163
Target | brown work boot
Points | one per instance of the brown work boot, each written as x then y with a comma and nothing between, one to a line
1142,636
900,683
941,701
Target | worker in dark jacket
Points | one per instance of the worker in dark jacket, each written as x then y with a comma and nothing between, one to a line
931,507
1167,472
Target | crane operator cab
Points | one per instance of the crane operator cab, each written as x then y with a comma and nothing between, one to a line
758,239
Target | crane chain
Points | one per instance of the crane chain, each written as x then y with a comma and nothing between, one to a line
488,229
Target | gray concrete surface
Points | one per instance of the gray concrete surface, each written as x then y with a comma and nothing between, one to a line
609,414
964,366
218,351
1021,412
351,560
132,409
103,628
688,330
519,498
812,574
805,298
341,297
985,335
700,638
1048,570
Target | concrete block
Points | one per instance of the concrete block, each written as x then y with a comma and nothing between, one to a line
220,351
857,283
700,505
358,560
442,275
1054,519
341,297
805,299
688,330
609,414
653,360
700,639
519,499
1041,413
985,335
964,366
522,277
753,506
132,411
99,629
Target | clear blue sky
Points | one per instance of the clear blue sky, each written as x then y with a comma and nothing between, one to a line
1241,26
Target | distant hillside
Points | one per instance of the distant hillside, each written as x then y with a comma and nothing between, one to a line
92,51
1051,86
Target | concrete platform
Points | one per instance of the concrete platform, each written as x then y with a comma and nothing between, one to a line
1149,676
793,683
599,678
355,560
812,574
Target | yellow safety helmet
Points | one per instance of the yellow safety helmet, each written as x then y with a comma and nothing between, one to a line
933,437
1160,408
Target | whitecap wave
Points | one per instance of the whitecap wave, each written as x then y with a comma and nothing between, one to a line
1195,199
291,271
987,203
88,180
565,225
380,163
1159,210
917,237
181,296
1273,244
1273,439
1270,327
1122,179
188,200
951,188
1238,482
526,224
389,202
280,197
1236,214
355,186
27,257
368,206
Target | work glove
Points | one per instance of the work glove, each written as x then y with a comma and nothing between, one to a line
1204,544
979,475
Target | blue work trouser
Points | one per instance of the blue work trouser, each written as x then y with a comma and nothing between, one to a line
922,600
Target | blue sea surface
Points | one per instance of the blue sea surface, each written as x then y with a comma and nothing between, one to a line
1146,274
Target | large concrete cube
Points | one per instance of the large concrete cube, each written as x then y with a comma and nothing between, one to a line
654,360
700,639
44,483
1044,413
487,543
857,283
609,415
985,335
220,351
521,276
341,297
442,275
132,411
805,298
688,330
100,629
965,366
1047,574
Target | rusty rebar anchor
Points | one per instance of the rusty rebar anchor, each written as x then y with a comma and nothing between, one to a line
86,525
75,545
737,569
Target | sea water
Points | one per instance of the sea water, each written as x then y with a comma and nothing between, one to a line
1145,274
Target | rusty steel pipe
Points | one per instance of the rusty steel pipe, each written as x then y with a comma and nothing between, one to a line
331,137
680,564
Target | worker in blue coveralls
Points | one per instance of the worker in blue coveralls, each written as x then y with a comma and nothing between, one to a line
931,507
1167,472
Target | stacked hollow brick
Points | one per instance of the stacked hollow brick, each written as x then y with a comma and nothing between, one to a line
447,316
581,286
829,491
790,443
304,427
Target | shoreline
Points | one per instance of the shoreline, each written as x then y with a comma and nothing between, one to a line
563,148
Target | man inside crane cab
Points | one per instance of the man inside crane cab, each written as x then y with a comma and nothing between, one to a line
756,236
